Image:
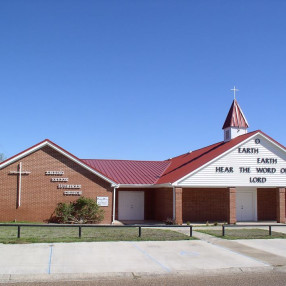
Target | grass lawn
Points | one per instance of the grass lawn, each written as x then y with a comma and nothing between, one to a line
66,234
251,233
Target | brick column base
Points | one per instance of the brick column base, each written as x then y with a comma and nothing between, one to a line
179,206
231,205
280,205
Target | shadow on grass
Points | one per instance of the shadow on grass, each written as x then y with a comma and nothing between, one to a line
252,233
50,235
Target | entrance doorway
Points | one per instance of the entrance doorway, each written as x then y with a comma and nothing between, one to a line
246,203
131,205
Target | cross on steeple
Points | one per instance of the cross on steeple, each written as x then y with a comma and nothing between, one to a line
19,173
234,90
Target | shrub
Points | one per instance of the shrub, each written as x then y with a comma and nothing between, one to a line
170,221
64,213
83,210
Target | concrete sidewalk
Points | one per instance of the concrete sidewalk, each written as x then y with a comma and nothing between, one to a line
38,262
110,258
270,251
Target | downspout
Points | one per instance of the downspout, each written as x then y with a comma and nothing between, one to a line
174,203
114,203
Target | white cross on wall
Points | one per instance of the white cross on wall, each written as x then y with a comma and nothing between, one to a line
19,173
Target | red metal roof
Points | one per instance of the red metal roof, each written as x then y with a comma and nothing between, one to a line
155,172
183,165
162,172
129,172
235,117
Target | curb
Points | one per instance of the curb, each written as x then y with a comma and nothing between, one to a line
12,278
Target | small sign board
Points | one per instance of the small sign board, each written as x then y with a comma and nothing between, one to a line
73,193
102,201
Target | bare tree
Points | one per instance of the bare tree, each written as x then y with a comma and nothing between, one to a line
2,157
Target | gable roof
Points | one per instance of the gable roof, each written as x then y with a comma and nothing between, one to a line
162,172
130,172
184,164
235,117
56,147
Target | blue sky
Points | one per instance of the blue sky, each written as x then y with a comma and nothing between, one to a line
136,79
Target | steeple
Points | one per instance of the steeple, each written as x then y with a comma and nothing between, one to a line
235,123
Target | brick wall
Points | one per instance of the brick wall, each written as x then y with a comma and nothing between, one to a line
280,205
39,195
201,205
163,204
266,204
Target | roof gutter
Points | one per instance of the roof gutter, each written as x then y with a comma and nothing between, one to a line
150,186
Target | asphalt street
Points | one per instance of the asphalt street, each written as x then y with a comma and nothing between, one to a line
238,279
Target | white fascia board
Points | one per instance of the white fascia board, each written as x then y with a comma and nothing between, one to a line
271,141
46,143
168,185
177,183
200,186
21,155
82,164
244,117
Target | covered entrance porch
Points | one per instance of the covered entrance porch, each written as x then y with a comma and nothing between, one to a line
231,205
202,205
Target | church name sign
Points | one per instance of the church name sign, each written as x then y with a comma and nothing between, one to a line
64,186
57,173
258,169
72,193
59,179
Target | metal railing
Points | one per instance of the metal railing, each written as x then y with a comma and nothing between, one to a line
253,226
80,226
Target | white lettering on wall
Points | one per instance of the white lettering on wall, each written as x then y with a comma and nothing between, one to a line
54,173
62,186
59,179
72,193
249,164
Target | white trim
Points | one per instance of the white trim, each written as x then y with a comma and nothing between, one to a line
225,153
81,164
244,118
126,186
174,203
16,158
20,184
114,202
46,143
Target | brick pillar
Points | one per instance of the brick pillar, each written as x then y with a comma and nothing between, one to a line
231,205
280,205
178,205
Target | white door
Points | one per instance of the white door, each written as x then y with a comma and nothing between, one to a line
246,205
131,205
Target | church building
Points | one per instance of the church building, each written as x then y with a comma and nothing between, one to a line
241,178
